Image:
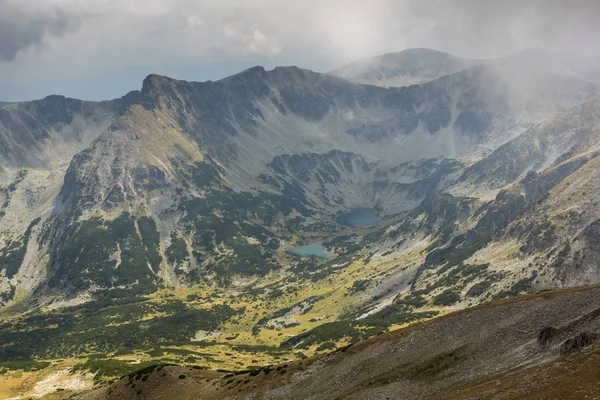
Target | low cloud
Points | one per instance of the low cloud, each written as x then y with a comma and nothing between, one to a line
57,40
487,28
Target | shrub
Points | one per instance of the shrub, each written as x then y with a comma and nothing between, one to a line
478,289
447,298
326,346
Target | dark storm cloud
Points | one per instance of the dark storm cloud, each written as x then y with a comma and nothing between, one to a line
24,24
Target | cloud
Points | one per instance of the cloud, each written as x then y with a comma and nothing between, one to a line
55,42
339,28
24,24
249,38
485,27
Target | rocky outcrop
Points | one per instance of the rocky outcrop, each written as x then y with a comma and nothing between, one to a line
577,343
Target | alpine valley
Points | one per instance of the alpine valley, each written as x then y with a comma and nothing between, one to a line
242,227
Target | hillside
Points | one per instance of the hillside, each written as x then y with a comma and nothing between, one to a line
533,347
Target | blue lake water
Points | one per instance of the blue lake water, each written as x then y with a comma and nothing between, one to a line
354,218
316,250
361,216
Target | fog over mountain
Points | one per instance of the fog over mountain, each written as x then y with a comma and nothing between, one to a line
97,49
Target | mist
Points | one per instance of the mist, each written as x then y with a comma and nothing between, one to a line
99,49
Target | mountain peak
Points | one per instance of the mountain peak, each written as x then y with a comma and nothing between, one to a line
155,82
403,68
257,69
417,51
258,76
55,97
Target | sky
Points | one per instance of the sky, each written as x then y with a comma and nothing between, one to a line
101,49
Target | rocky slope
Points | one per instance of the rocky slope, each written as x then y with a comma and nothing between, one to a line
570,133
38,140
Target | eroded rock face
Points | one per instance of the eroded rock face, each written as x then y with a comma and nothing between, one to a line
577,343
547,335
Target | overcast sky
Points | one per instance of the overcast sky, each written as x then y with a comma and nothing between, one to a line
100,49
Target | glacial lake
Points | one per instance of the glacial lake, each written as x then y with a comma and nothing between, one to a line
357,217
354,218
315,250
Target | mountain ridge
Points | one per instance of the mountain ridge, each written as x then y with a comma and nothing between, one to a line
403,68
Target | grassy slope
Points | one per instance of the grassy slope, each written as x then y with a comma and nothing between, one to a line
233,346
483,351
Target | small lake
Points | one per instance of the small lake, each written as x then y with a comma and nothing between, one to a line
356,217
315,250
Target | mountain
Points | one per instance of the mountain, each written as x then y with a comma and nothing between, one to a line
170,156
33,134
162,226
404,68
570,133
417,66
